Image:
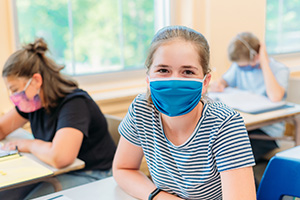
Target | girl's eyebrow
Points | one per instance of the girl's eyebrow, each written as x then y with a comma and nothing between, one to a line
184,66
190,67
161,65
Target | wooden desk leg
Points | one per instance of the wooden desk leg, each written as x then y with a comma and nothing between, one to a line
56,184
297,129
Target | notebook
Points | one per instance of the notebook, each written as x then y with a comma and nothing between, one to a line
15,168
246,101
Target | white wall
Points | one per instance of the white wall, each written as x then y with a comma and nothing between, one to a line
219,21
6,48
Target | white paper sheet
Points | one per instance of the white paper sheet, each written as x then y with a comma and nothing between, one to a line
245,101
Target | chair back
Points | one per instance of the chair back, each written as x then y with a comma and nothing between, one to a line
293,94
113,124
281,177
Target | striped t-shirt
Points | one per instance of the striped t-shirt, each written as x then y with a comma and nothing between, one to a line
191,170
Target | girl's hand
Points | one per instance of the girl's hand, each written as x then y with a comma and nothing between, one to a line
263,55
22,145
217,86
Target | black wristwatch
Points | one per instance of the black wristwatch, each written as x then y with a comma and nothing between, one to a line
154,193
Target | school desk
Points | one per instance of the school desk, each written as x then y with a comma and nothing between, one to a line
106,189
291,114
22,134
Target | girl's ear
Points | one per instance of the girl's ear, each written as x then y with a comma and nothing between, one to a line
37,80
206,83
148,82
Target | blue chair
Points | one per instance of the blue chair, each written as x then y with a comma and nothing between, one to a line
281,177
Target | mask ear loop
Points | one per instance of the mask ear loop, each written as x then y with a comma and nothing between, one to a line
38,92
27,84
202,80
252,52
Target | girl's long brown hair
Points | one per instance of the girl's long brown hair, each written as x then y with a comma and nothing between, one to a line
31,59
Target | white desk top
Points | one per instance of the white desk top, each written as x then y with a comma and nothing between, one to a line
251,119
103,189
293,153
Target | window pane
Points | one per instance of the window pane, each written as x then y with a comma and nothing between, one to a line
283,26
46,20
138,30
96,36
90,36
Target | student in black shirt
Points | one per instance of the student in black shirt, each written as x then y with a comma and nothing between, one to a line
65,121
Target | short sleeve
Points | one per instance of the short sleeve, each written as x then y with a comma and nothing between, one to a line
127,127
24,115
74,113
232,147
230,75
282,75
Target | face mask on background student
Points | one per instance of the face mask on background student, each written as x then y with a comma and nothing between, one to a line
249,67
23,103
176,96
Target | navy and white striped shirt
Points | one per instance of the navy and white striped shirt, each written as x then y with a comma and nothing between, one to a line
192,170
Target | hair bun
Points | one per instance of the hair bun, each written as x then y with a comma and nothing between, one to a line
39,46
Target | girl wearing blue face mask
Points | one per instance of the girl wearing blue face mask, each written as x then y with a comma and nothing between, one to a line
195,149
252,70
65,122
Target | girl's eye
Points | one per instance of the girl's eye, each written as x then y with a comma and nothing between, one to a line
162,70
14,91
188,72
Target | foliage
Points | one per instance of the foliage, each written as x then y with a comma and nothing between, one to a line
282,26
90,36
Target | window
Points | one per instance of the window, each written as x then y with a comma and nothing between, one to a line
91,36
283,26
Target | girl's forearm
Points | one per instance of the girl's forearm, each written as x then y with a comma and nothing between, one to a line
134,182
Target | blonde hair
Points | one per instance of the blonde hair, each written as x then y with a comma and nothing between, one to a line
243,46
171,33
31,59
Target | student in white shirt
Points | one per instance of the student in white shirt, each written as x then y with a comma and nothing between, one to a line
253,70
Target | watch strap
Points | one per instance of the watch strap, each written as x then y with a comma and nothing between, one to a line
154,193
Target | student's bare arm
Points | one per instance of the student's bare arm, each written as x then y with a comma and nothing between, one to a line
238,184
10,122
218,86
275,91
59,153
126,172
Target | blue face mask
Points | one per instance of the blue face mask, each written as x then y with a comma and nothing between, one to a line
249,67
176,96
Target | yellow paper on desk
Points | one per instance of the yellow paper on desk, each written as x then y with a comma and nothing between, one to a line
20,169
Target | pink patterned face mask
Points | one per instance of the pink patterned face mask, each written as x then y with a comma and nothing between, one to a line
23,103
